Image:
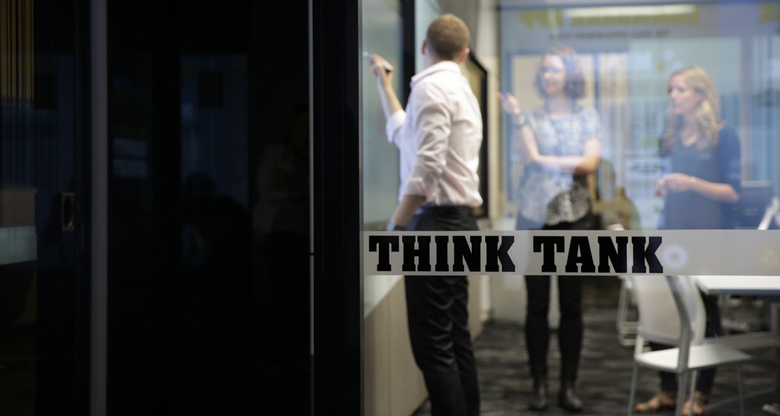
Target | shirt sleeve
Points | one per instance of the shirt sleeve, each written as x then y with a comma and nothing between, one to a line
432,127
393,126
730,158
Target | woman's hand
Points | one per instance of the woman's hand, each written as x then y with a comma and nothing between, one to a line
511,107
675,182
509,103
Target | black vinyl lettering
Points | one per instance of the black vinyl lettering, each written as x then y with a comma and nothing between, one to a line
579,253
495,253
550,246
462,252
442,241
422,252
642,254
383,243
608,254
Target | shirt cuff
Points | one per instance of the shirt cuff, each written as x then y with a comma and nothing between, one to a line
394,123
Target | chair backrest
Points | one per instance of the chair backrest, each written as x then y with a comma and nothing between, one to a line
772,213
660,319
694,305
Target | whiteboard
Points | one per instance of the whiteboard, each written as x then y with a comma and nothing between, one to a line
382,34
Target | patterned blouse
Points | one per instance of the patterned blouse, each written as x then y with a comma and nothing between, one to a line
547,195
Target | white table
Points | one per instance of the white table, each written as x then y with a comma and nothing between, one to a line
759,286
762,287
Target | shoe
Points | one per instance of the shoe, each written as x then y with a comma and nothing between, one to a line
568,400
665,400
700,402
539,396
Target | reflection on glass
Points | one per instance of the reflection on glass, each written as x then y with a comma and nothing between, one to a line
38,122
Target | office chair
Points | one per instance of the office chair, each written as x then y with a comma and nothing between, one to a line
671,312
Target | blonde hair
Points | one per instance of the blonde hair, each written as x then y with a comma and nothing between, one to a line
448,36
707,114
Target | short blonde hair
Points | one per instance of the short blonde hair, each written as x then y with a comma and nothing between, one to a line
447,37
707,115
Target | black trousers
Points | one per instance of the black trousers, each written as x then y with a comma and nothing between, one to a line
570,326
438,324
713,328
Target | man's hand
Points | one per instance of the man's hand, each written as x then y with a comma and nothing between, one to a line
379,67
405,210
384,82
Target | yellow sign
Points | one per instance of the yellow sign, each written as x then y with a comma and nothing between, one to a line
770,12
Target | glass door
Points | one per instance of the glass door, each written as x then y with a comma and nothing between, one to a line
42,286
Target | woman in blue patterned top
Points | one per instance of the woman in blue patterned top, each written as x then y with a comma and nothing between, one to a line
559,145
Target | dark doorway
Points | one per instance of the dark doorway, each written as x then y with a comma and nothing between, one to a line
208,208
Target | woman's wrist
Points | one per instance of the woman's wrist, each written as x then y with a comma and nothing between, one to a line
693,183
519,121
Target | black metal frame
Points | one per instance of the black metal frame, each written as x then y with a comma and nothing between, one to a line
337,208
483,152
83,203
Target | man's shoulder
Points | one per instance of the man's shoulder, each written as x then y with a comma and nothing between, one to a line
440,79
431,88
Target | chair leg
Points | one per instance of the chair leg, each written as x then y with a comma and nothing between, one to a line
692,391
632,395
626,330
621,315
739,390
682,383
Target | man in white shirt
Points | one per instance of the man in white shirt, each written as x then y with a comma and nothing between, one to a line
439,137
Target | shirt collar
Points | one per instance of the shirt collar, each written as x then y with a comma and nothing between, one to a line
443,66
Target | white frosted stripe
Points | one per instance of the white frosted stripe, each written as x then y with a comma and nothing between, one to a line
672,252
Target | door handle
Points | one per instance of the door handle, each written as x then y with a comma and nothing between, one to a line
68,211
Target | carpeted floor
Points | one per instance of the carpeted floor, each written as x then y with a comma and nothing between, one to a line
605,372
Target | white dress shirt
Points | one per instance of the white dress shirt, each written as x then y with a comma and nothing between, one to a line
439,138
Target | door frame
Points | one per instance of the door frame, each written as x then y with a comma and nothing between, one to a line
336,183
98,203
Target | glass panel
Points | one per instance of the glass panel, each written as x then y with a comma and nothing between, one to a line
38,127
628,54
382,36
604,139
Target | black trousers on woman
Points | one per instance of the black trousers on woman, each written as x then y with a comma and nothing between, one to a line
570,327
437,312
713,328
